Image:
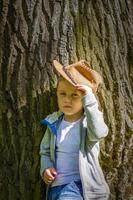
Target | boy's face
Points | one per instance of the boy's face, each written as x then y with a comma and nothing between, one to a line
69,98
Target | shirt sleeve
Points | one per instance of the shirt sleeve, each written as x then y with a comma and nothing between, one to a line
45,160
96,127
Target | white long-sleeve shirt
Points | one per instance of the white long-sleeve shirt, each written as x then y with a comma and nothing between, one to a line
67,152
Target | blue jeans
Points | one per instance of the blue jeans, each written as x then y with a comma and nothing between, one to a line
70,191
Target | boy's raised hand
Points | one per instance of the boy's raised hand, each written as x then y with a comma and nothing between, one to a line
84,89
49,175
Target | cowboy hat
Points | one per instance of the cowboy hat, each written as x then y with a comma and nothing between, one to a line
79,73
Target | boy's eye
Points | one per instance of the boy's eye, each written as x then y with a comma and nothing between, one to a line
62,93
75,95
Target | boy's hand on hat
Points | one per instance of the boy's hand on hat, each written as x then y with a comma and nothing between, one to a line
49,175
84,89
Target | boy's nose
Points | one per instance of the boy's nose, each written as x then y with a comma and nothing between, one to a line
68,99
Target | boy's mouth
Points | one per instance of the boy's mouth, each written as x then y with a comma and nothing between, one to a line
67,106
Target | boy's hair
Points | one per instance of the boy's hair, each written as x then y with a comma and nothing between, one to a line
60,78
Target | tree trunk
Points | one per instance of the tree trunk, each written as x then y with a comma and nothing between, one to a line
32,34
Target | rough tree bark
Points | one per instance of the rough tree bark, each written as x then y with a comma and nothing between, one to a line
32,34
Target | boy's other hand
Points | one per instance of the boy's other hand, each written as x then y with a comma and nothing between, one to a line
84,89
49,175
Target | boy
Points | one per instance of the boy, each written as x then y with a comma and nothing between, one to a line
70,147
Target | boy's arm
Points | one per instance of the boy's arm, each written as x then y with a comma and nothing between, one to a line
45,153
96,126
